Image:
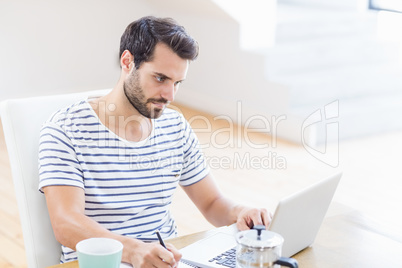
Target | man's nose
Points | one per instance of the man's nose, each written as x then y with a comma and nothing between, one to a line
169,92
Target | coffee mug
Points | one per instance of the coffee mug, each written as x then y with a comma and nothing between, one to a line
99,253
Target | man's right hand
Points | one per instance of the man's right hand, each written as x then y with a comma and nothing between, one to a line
66,205
149,255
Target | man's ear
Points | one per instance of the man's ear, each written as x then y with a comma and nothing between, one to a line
127,61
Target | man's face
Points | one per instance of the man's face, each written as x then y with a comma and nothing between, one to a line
153,86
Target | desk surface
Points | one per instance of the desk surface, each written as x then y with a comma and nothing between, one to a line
344,240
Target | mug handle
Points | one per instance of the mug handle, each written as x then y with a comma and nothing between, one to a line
288,262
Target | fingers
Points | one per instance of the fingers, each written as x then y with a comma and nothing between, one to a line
242,225
176,254
154,255
266,217
253,216
169,256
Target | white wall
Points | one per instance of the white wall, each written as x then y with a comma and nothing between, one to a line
50,47
61,46
56,46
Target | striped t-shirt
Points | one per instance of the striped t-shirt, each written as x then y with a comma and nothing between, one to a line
128,185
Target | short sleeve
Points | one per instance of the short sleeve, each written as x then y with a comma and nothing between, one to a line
194,164
58,163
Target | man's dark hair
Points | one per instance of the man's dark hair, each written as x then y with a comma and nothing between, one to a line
141,36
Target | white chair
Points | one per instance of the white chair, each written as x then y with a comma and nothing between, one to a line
22,120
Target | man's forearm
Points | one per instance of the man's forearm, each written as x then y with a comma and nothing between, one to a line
223,211
75,227
71,225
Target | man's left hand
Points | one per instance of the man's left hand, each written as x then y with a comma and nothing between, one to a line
249,217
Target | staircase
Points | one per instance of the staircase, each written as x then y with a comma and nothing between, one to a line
325,54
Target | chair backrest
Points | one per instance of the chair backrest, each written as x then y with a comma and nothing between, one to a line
22,120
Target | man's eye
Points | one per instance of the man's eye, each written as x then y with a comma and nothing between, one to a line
178,83
160,78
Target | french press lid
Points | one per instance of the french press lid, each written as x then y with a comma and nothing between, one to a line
258,237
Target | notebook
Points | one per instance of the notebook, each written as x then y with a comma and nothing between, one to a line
297,218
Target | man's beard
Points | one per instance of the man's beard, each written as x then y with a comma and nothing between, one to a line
135,95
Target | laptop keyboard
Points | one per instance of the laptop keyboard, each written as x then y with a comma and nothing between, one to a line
227,258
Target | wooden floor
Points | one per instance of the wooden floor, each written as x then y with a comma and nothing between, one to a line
11,241
256,176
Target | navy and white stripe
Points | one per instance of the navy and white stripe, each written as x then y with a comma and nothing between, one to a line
128,185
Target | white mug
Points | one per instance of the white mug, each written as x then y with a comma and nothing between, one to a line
99,253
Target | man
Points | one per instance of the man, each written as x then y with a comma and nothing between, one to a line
109,165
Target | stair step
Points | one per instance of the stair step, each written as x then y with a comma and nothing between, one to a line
346,82
297,22
366,115
310,55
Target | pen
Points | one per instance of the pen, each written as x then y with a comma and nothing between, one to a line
160,239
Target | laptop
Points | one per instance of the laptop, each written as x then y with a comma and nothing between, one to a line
297,218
